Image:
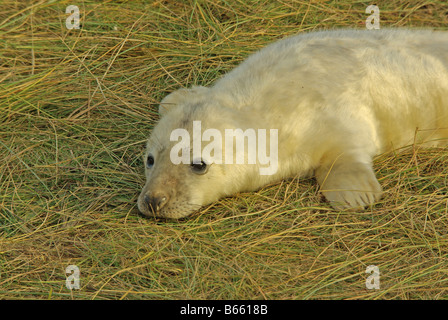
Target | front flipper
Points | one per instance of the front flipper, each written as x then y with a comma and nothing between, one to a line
348,184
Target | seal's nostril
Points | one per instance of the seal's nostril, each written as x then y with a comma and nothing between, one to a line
150,204
155,203
161,201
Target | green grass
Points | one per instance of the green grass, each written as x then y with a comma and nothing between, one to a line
76,107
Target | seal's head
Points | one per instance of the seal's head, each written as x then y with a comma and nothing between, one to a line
176,189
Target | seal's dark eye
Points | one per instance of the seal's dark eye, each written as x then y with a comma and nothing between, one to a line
149,161
199,168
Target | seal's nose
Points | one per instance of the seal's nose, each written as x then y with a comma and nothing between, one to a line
155,202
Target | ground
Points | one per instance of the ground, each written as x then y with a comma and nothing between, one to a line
76,106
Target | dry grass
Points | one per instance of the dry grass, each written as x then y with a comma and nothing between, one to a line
75,109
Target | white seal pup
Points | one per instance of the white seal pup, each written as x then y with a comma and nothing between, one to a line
337,99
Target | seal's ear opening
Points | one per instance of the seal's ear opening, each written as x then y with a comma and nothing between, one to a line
177,97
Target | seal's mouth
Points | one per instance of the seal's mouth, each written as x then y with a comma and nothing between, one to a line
154,204
162,207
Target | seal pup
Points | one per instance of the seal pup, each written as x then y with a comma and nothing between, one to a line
337,99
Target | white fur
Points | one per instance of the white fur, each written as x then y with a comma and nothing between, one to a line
338,98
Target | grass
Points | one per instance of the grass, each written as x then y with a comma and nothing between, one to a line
76,107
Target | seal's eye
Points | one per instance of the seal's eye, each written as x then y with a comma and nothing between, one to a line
149,161
199,168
